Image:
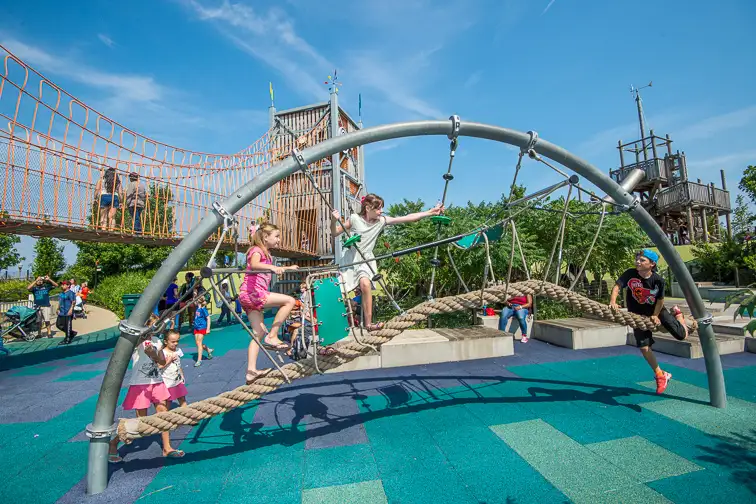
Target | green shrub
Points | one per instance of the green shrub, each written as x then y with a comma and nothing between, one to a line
110,291
548,309
14,290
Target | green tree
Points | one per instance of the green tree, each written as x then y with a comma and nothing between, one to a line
48,258
115,258
742,218
748,182
9,256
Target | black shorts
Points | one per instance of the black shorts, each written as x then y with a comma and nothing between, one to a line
645,338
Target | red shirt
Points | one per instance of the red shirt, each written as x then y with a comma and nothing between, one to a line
84,293
520,300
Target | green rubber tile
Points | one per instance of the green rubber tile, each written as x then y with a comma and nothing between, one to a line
587,427
705,487
80,376
258,491
85,360
364,492
577,472
339,465
34,370
657,462
538,394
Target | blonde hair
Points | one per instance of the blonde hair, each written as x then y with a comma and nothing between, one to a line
258,239
372,201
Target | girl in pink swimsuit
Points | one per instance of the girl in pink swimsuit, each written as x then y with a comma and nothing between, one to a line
255,297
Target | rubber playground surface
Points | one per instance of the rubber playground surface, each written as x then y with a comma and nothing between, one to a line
546,425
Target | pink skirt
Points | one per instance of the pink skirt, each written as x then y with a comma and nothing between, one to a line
177,392
253,300
144,396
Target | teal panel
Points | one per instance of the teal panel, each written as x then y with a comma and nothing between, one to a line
365,492
331,310
476,238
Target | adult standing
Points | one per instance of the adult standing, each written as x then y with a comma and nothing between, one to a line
40,289
66,301
136,200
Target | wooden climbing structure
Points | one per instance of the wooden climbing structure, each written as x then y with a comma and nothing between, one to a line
55,151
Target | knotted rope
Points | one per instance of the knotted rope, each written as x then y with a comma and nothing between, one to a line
130,429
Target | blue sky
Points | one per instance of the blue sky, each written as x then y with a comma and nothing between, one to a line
195,73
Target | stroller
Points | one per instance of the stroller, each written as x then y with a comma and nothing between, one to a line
25,322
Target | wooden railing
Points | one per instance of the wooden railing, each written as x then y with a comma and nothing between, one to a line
686,193
654,169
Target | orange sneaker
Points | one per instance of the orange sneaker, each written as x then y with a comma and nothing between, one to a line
662,381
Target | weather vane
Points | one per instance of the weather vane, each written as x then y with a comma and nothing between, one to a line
333,81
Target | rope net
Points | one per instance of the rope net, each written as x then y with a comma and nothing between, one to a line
130,429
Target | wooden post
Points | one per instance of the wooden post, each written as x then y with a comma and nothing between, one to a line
669,145
691,229
727,214
717,231
704,225
622,154
653,144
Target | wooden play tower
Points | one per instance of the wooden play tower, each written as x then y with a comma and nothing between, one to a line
687,211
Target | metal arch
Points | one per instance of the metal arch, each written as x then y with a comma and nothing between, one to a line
106,404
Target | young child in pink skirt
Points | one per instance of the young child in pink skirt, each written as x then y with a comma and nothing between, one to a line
146,386
255,297
173,375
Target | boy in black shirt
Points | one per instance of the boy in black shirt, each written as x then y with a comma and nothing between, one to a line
645,296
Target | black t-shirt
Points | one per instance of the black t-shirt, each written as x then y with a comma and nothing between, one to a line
642,293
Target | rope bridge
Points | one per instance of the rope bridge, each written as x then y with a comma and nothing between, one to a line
55,152
130,429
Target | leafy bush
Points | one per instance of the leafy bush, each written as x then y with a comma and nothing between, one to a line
110,291
14,290
548,309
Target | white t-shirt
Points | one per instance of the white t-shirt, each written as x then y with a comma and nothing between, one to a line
172,372
145,371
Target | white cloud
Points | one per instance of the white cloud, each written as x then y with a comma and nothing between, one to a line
473,79
395,72
548,7
105,39
718,124
734,160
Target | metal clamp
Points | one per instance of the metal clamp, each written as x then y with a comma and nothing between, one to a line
707,319
131,330
299,158
108,432
632,206
228,218
530,148
456,123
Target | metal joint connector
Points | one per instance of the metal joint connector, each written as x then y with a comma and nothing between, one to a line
707,319
299,158
108,432
131,330
456,123
228,219
632,206
530,148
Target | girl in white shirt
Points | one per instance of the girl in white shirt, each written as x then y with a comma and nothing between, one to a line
173,375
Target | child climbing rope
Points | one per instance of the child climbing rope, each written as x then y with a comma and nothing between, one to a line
173,375
368,224
146,386
645,296
255,297
201,328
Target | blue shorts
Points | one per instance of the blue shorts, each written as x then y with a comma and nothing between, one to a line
108,200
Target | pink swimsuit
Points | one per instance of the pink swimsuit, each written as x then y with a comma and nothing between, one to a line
254,288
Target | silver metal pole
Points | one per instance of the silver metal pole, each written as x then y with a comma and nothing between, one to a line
130,329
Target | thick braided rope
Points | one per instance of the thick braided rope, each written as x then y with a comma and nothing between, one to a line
345,351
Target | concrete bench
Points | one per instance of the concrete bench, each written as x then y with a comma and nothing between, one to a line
580,333
750,344
690,348
429,346
492,322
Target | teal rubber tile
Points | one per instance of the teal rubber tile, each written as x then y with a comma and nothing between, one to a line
427,488
476,454
365,492
80,376
588,427
339,465
577,472
64,466
259,491
539,395
658,463
705,487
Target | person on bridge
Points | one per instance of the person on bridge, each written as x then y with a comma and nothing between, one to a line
136,200
108,189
